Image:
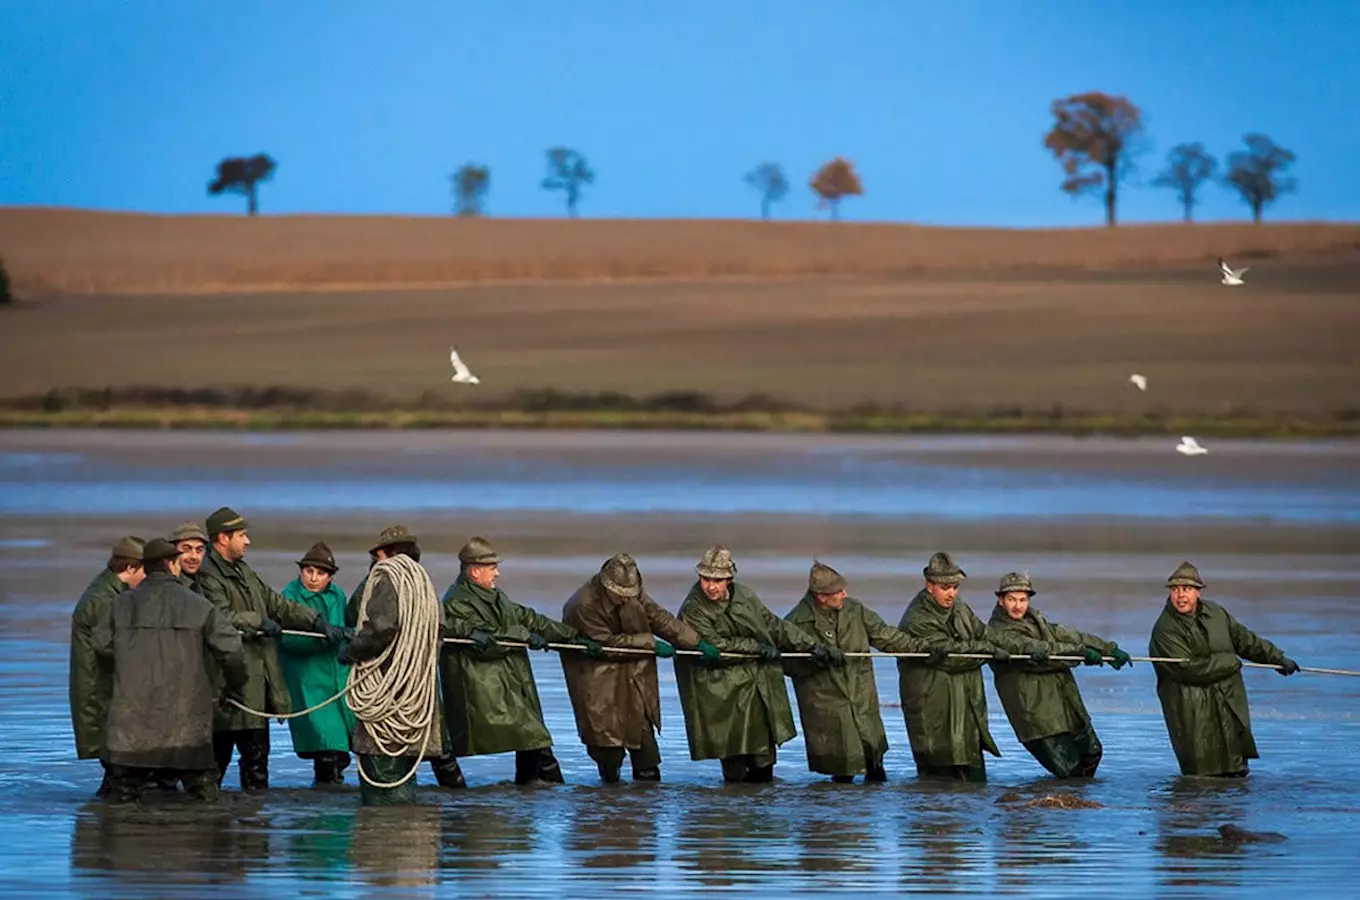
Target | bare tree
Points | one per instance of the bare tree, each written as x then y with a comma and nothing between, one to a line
834,181
470,185
1095,137
768,178
1257,173
241,175
1187,167
568,171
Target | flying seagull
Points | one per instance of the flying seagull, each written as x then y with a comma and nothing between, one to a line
461,373
1190,447
1231,276
1139,381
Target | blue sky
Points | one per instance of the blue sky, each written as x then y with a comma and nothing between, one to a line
369,106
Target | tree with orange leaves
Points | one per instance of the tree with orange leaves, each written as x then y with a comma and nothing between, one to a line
834,181
1095,137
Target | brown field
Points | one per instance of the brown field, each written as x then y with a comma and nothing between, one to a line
827,316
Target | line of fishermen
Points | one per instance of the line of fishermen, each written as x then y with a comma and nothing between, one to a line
151,659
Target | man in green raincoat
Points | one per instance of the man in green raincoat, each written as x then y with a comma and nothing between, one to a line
260,613
91,676
491,702
314,674
1040,694
838,706
943,702
737,708
1204,700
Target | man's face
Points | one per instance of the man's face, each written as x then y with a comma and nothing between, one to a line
132,576
831,601
943,594
314,579
233,545
616,599
1015,603
484,576
715,589
191,553
1185,598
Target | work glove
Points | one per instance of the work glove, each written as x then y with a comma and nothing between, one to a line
664,650
482,640
1121,659
594,649
711,653
937,655
1000,654
1287,666
269,628
335,635
342,655
1092,657
1039,653
349,633
768,652
537,642
826,655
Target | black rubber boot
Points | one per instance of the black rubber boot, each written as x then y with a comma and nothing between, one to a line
254,760
876,774
609,774
447,772
843,779
759,774
647,774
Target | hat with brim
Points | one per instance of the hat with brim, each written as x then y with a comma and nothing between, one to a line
717,564
619,575
188,531
225,521
478,552
823,579
319,556
393,535
1015,583
158,549
1185,575
943,570
130,547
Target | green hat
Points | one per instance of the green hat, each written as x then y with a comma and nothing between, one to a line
825,580
188,531
225,521
158,549
130,547
1015,582
716,563
320,556
620,576
478,552
1185,574
393,535
943,570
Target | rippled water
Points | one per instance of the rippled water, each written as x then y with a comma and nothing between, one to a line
1154,833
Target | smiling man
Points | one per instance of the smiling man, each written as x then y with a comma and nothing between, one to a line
1204,700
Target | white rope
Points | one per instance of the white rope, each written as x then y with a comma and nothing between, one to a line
398,706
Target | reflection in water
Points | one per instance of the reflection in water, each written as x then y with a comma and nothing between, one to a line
946,844
609,830
1190,852
320,841
831,839
490,833
731,835
396,846
178,844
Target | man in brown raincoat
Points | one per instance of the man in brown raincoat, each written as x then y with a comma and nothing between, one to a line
944,702
1204,700
838,707
737,709
91,678
616,699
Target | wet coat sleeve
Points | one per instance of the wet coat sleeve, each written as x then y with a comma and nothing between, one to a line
1075,641
537,623
668,626
701,616
787,636
1200,670
297,645
920,627
101,637
285,611
1019,644
223,643
380,629
594,622
214,590
1251,646
883,636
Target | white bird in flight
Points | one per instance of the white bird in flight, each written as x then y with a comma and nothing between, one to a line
1190,447
1139,381
1231,276
461,373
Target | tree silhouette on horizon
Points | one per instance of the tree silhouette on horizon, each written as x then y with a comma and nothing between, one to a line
568,171
242,175
1187,167
1095,137
1256,173
769,179
470,186
833,182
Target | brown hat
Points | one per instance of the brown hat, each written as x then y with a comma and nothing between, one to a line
158,549
825,580
1185,574
943,570
129,547
478,552
225,520
620,576
188,531
1015,583
320,556
393,535
716,563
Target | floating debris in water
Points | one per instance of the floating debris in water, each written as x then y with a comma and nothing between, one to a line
1050,801
1237,835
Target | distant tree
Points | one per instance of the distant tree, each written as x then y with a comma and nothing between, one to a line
832,182
5,296
568,171
1187,167
1095,137
768,178
1257,173
470,185
241,175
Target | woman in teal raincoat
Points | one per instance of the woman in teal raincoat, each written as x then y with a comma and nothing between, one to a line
313,673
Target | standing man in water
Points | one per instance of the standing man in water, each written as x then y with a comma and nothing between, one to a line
737,709
91,678
1204,700
256,610
943,701
1040,695
192,542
